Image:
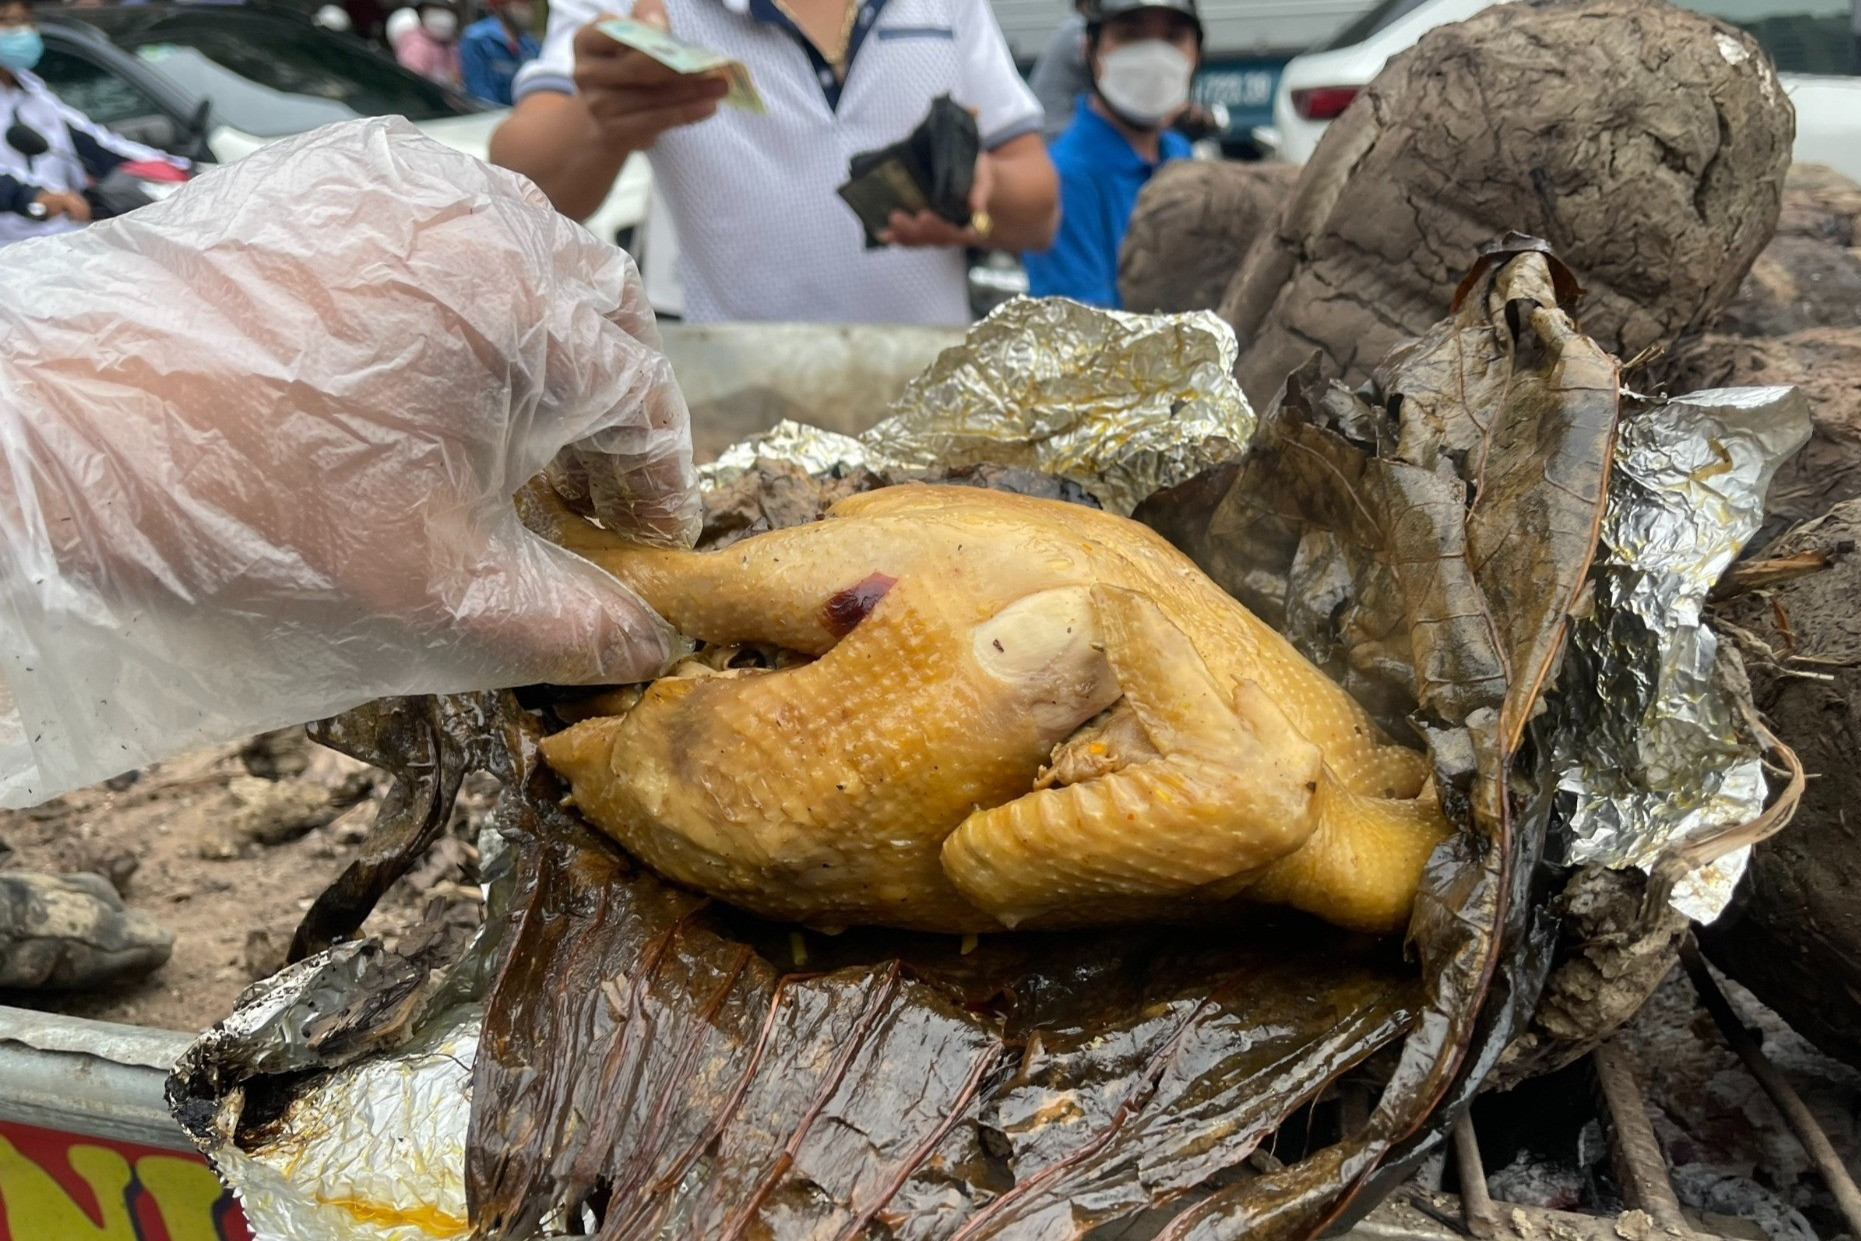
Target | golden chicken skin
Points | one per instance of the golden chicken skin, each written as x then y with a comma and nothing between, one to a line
1019,712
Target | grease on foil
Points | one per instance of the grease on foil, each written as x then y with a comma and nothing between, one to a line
1121,404
375,1150
1650,752
371,1144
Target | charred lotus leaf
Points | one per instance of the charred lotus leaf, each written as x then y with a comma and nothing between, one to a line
1450,513
1193,224
1525,406
405,738
1646,142
427,745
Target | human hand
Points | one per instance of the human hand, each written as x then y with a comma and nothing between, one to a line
75,206
262,467
632,97
1197,122
927,228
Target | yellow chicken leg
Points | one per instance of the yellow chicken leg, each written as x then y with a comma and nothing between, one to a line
1232,792
1362,865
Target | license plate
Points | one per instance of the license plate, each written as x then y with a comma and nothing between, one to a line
1245,90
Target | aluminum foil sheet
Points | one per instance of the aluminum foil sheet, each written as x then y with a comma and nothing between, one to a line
813,449
1648,738
370,1148
372,1152
1121,404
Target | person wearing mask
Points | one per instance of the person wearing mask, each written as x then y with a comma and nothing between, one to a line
493,48
50,151
1060,75
761,232
431,48
1143,55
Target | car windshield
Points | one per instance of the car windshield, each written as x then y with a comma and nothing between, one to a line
1802,36
272,78
1367,24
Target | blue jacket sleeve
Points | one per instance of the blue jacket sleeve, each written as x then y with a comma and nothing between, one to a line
1082,263
17,195
475,67
98,160
101,151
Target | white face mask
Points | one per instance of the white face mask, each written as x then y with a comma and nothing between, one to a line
442,24
520,15
1146,82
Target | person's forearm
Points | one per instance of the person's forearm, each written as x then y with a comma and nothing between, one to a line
551,139
1025,203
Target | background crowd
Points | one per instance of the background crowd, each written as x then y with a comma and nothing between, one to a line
1054,181
737,214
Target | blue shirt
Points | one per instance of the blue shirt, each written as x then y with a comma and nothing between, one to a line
1100,175
488,62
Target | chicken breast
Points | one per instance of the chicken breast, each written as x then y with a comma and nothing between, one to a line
1020,713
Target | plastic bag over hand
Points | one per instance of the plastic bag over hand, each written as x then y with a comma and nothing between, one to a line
260,442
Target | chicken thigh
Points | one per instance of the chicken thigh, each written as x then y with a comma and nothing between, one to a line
1020,713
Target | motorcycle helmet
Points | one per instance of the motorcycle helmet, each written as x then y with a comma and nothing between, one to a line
1098,12
400,23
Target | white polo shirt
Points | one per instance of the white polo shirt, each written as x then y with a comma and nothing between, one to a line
762,235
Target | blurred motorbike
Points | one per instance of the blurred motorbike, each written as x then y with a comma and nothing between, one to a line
135,183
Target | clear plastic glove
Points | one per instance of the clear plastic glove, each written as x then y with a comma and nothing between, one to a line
260,441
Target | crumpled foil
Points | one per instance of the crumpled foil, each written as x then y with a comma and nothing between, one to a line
1651,750
1121,404
372,1142
813,449
374,1151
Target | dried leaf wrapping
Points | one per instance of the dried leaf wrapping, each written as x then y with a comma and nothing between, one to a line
427,765
1489,440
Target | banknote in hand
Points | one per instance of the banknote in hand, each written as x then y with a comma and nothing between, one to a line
687,58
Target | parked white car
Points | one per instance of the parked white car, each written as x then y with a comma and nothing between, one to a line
1809,40
219,81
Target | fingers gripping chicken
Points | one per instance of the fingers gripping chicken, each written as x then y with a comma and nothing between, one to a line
1022,713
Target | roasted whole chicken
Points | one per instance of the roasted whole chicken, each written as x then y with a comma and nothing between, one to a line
1018,712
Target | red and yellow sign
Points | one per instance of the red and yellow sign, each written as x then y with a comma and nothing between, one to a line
58,1186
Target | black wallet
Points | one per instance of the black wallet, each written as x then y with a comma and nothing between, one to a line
932,170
